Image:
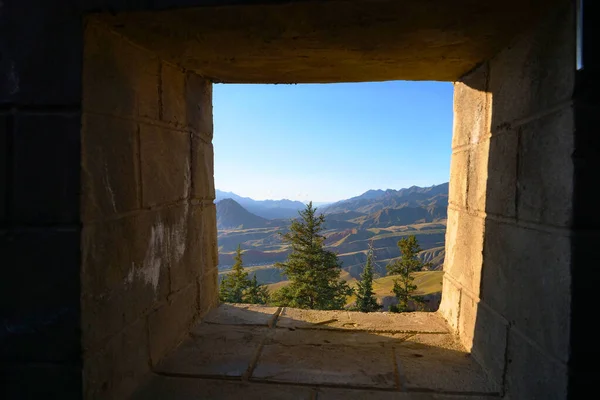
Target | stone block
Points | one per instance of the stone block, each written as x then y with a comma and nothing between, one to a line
50,45
534,267
449,368
344,320
5,132
173,98
450,304
198,96
47,159
500,198
531,374
464,249
243,314
119,78
118,369
215,350
203,180
459,172
536,72
489,341
190,268
545,178
361,366
353,394
209,237
41,381
165,157
166,387
467,320
208,288
40,296
126,267
471,108
321,337
478,176
109,166
171,322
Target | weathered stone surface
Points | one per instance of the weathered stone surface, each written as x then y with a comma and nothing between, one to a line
546,174
471,108
464,244
459,172
322,337
242,314
115,372
194,258
173,99
534,267
46,191
301,42
198,97
170,323
164,387
449,306
209,238
501,187
531,374
490,341
449,368
119,78
165,164
535,72
478,176
361,366
215,350
359,394
348,320
467,320
123,279
109,166
208,287
203,183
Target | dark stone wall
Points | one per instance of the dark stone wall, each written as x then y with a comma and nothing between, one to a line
40,114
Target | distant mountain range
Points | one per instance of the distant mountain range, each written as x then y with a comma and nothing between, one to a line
377,200
379,216
269,209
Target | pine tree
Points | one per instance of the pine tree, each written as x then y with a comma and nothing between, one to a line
314,272
256,294
236,282
404,288
365,299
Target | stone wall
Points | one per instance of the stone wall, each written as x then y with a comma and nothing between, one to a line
507,286
149,225
40,113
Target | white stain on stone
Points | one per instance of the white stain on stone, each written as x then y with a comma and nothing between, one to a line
109,187
130,275
13,79
155,255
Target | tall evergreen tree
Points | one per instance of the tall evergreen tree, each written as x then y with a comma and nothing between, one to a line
404,288
237,288
365,299
314,272
256,294
236,282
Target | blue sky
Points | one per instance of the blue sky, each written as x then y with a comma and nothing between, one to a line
330,142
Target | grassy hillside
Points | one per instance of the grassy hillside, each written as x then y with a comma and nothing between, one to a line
428,283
